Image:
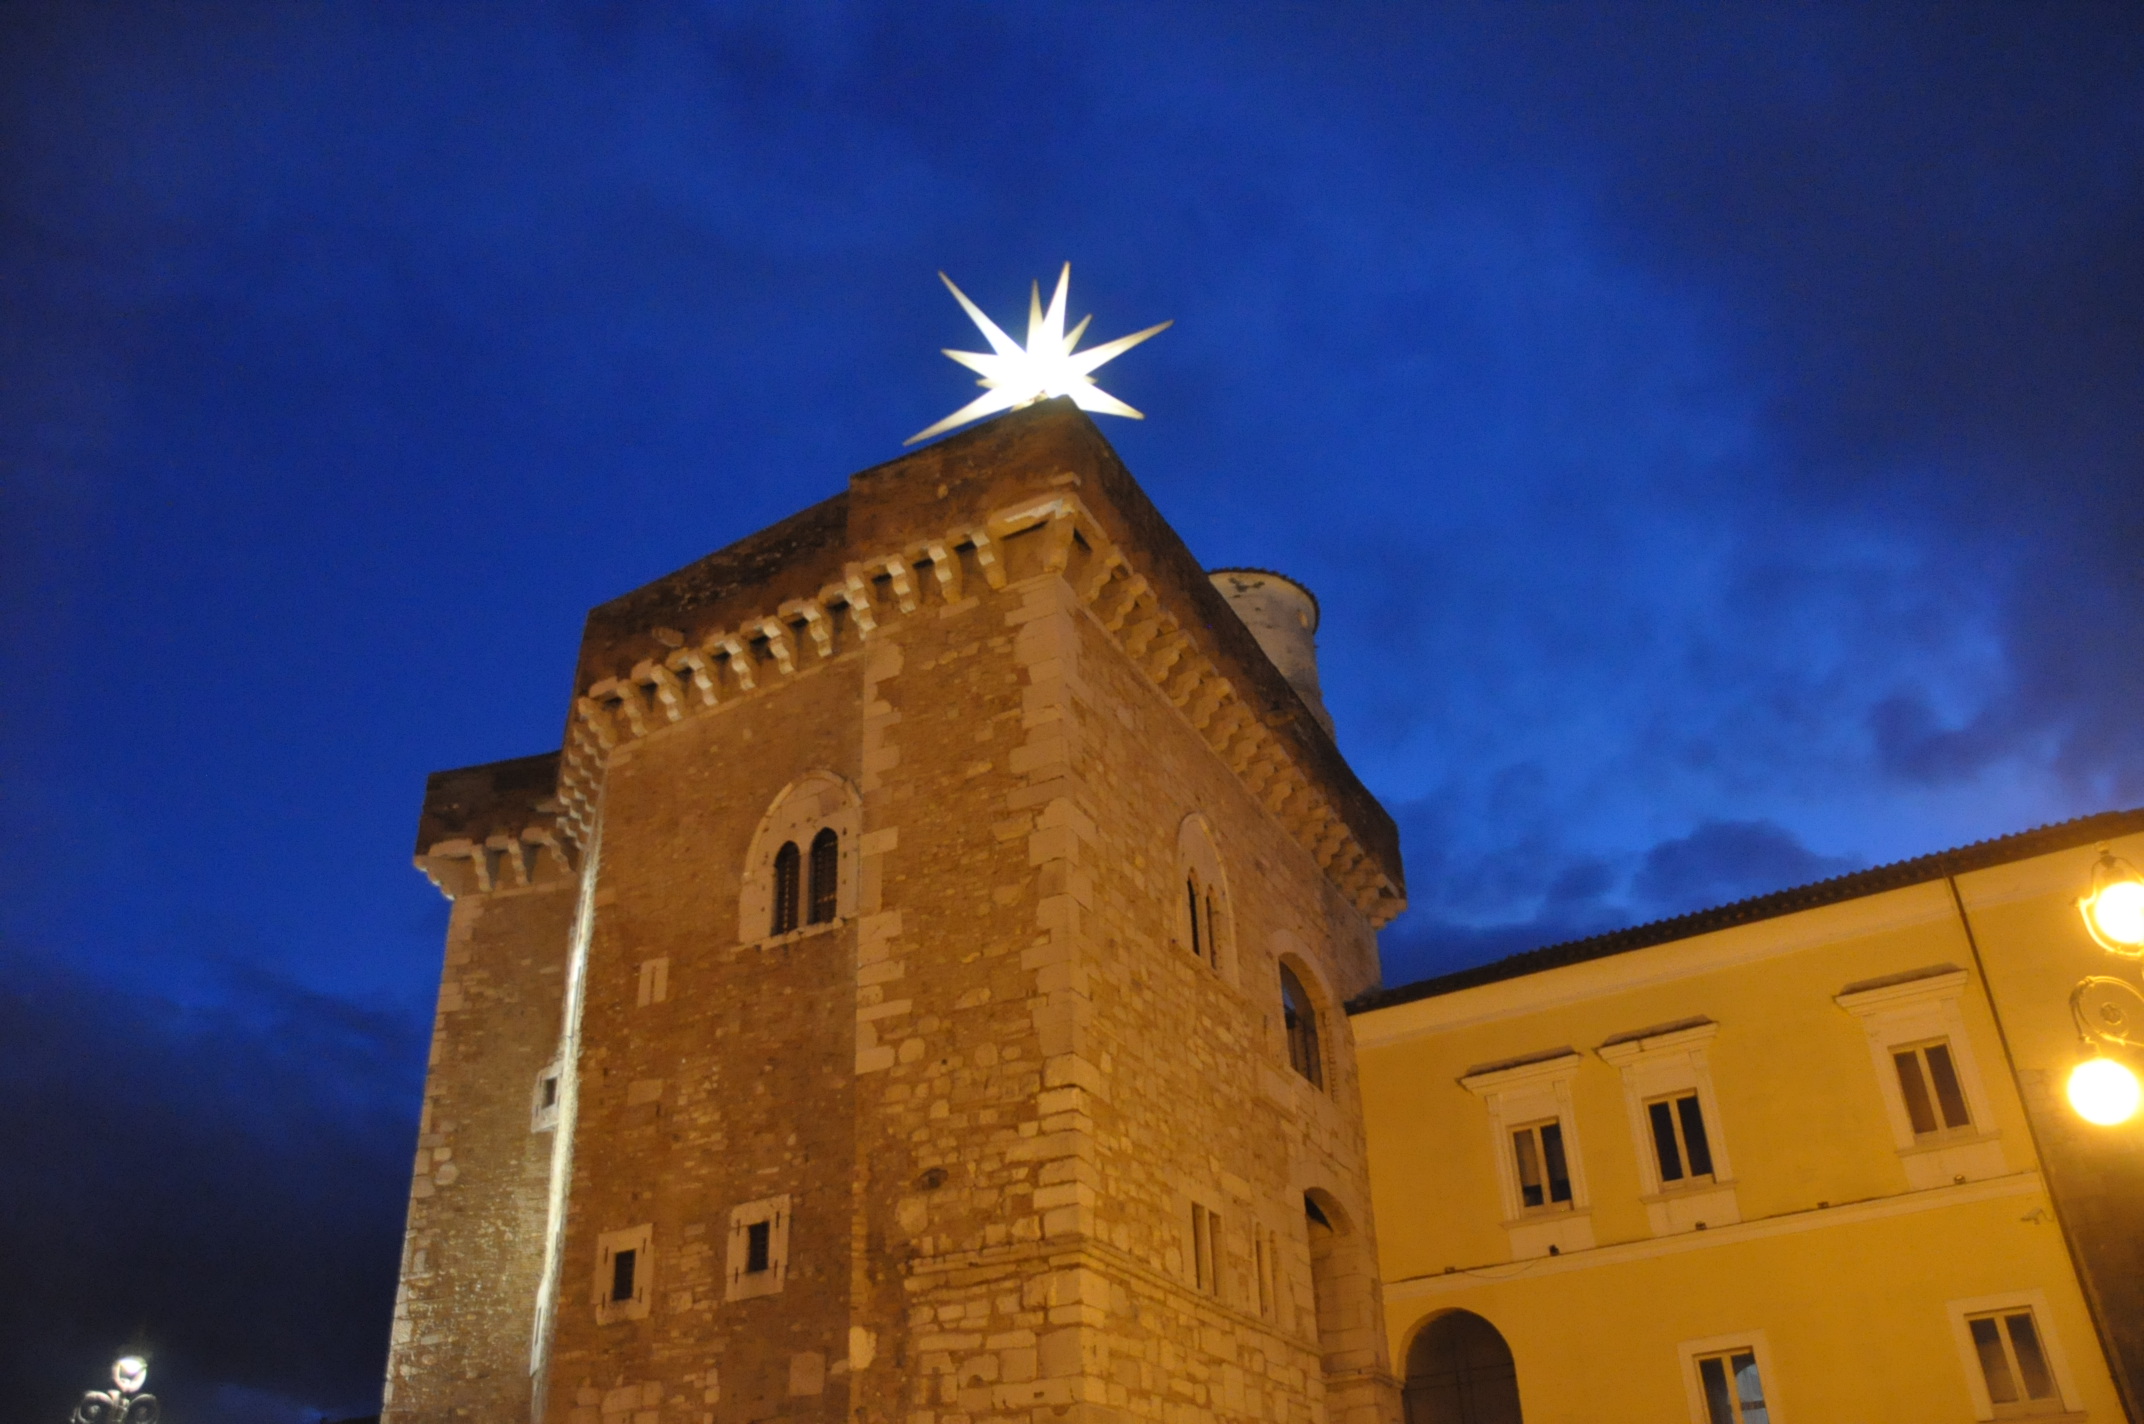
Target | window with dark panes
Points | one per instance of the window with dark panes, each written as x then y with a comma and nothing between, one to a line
2013,1363
1300,1017
1928,1081
1679,1141
825,876
758,1246
1537,1154
1733,1392
787,867
622,1266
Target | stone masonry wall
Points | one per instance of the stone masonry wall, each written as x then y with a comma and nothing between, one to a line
733,1087
473,1250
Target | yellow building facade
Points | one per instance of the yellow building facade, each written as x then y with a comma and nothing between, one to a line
1802,1160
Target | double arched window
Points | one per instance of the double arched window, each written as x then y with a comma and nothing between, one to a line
799,871
820,896
1202,914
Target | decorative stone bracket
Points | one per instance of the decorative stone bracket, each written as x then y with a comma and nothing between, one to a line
766,650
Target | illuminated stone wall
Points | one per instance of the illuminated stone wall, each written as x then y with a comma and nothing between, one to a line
997,1093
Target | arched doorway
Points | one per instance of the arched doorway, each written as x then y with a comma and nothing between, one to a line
1459,1371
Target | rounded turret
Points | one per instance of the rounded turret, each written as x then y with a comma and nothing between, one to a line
1283,616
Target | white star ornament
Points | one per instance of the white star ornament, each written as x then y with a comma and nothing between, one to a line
1014,376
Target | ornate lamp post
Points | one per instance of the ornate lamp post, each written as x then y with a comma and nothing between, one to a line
123,1403
2109,1012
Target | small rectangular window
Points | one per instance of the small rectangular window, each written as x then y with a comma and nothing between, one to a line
1544,1179
625,1268
2012,1362
758,1256
1679,1141
1733,1393
1928,1083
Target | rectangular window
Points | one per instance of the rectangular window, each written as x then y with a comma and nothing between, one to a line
1679,1141
1928,1082
758,1257
1733,1394
1544,1179
2013,1362
625,1267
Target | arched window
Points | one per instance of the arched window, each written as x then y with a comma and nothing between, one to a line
787,864
1299,1013
1459,1371
799,869
1204,926
825,876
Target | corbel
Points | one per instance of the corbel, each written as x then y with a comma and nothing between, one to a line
816,623
776,632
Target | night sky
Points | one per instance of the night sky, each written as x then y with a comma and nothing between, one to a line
1716,435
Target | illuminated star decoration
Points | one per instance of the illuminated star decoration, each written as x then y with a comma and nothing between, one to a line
1014,376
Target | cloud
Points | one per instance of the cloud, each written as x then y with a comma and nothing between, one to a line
221,1186
1720,861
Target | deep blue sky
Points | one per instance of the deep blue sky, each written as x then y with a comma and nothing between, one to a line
1716,434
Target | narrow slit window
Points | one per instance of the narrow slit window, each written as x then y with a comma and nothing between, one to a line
622,1267
1300,1017
1191,897
1928,1084
1201,1249
1733,1392
2013,1363
1544,1177
1679,1141
787,865
758,1247
825,876
1213,938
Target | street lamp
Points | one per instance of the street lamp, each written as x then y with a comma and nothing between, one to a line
2109,1012
123,1403
2114,911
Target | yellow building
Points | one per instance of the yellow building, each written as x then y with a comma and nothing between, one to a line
1800,1160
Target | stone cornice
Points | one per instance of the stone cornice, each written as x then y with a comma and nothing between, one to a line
1048,534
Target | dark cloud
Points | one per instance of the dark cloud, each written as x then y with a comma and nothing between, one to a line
1728,860
219,1186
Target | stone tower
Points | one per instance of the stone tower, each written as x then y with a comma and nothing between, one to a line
913,995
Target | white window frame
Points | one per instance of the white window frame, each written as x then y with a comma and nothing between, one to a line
640,1240
2069,1402
746,1285
1914,1008
543,1116
1754,1341
1531,1090
1674,1060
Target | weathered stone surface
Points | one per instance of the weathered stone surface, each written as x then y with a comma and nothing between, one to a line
1035,1158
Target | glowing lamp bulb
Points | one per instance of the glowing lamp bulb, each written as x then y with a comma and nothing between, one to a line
2117,912
130,1373
2104,1092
